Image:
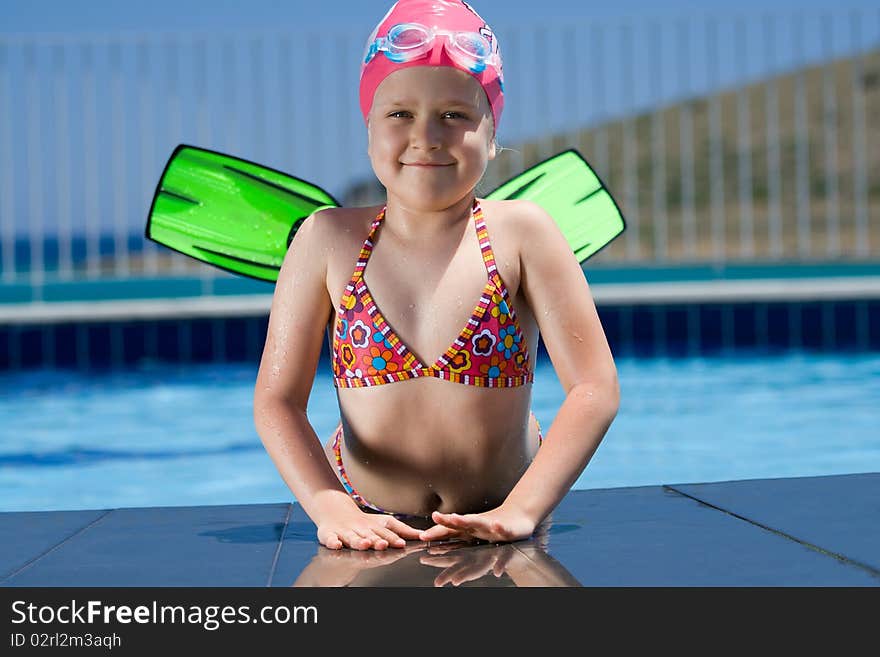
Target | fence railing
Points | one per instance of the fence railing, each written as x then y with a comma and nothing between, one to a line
723,140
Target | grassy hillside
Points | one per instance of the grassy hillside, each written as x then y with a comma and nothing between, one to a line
745,213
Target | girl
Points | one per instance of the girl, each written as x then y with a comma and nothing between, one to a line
432,305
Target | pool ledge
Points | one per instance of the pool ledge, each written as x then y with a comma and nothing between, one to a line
803,531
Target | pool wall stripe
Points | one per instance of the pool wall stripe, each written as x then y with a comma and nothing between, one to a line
649,330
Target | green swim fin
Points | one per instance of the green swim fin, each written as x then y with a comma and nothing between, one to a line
237,215
240,216
570,191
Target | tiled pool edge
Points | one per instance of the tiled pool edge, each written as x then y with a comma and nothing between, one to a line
798,531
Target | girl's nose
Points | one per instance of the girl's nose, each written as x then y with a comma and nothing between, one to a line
426,134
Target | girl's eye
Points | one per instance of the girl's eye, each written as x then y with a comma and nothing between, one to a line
454,115
400,114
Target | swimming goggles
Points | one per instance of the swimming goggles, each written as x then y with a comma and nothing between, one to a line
408,41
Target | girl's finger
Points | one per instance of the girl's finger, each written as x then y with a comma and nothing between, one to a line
330,540
391,539
437,533
375,541
402,529
355,540
449,520
471,521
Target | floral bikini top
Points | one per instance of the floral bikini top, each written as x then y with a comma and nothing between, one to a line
490,351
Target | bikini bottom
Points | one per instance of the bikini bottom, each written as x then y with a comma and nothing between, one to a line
352,491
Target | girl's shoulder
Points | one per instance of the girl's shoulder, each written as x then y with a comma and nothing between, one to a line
515,221
341,221
339,233
339,227
330,233
513,213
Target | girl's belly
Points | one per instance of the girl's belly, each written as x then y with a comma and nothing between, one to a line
424,444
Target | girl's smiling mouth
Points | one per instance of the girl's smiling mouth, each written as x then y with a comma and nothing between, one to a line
427,164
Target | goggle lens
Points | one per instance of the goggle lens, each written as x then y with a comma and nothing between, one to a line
473,44
407,41
406,37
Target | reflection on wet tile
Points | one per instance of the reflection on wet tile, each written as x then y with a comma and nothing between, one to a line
450,563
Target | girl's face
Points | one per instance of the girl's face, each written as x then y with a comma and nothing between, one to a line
430,135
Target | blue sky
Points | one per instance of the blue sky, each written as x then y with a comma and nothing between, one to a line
87,15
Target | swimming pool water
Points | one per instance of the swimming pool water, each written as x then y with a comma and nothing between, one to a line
166,435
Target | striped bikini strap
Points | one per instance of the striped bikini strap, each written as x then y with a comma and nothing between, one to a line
483,238
367,248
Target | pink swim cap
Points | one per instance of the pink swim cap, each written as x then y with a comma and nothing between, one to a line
442,15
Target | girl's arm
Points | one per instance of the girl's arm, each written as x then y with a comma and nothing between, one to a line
297,321
557,291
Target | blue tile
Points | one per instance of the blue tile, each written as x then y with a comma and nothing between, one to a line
873,324
185,342
611,324
30,346
65,337
236,343
257,329
846,334
653,536
167,341
812,326
745,334
171,546
219,340
24,536
761,328
679,341
134,342
5,348
829,337
778,331
644,331
151,341
828,512
785,532
202,334
711,330
99,349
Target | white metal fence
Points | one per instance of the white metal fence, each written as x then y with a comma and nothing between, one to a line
748,138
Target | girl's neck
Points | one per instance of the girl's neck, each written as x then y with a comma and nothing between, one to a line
409,223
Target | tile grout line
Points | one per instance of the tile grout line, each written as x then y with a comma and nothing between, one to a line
56,546
280,545
828,553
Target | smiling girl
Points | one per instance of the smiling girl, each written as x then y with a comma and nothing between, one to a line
432,304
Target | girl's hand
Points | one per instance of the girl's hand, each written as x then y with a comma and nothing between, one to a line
364,531
499,525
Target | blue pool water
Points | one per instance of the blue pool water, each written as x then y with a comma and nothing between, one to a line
172,436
